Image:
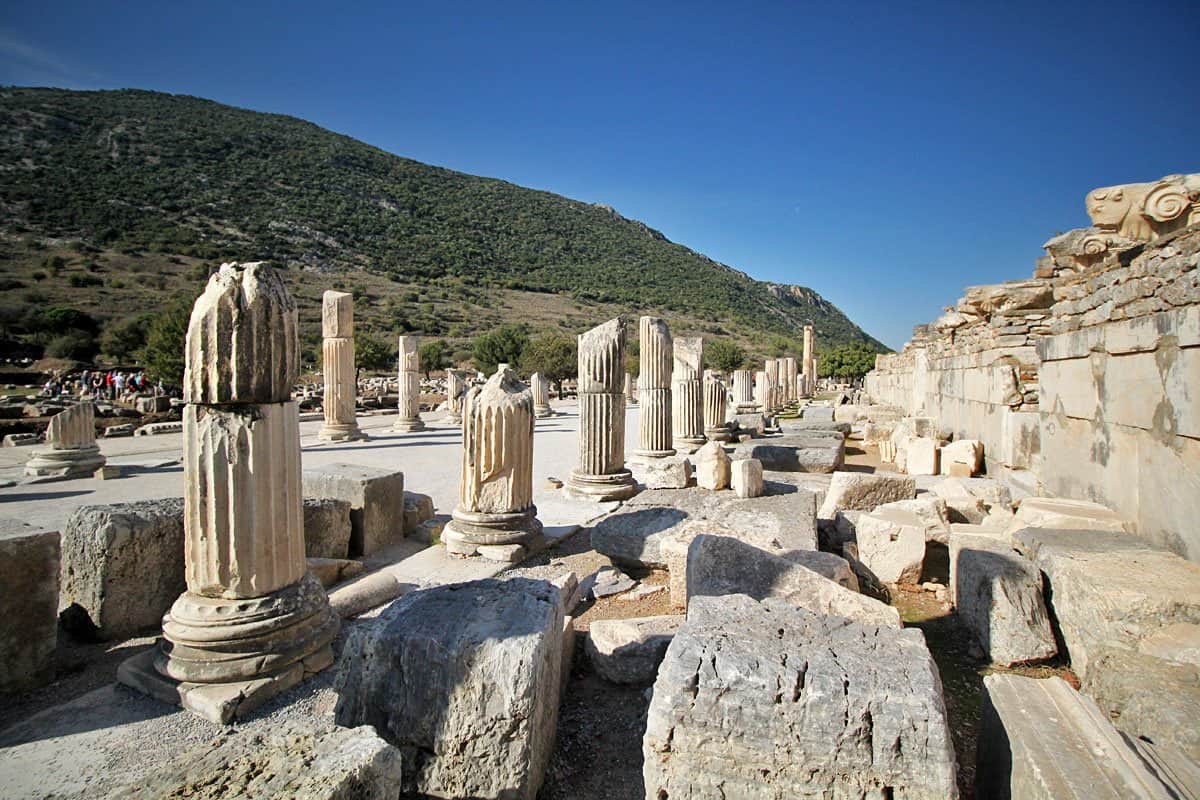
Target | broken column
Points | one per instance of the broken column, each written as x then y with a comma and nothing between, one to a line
253,622
71,450
716,402
656,355
630,388
410,387
456,386
772,367
495,515
540,387
743,391
762,391
687,395
337,356
810,363
601,474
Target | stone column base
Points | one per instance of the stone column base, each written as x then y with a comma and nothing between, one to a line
403,425
341,432
617,486
544,413
647,456
722,434
689,444
77,462
468,531
221,658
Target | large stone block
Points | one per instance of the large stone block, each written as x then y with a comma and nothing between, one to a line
712,467
464,679
1059,512
28,605
998,595
891,543
822,454
821,582
633,534
861,491
418,508
965,455
1110,588
122,566
671,472
326,527
764,700
931,510
297,762
629,651
1042,740
922,456
376,498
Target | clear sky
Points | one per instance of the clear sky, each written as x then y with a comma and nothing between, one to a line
884,154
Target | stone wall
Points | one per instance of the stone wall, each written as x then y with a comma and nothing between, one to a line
1082,382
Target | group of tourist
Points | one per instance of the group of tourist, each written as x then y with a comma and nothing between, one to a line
111,385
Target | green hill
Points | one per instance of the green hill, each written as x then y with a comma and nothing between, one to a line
114,202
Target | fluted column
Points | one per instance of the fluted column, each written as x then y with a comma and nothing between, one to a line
716,404
656,356
687,395
253,621
772,367
791,379
540,387
71,449
409,381
601,474
495,506
810,362
456,386
743,391
630,389
337,358
762,391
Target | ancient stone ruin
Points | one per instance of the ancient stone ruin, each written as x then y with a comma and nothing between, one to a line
409,387
601,474
71,449
337,350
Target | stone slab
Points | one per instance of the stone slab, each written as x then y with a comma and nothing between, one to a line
29,567
860,491
796,453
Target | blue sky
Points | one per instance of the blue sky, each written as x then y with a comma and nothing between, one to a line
884,154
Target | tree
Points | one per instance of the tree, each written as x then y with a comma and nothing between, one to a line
123,338
166,339
849,362
372,353
724,355
633,360
555,356
434,355
502,346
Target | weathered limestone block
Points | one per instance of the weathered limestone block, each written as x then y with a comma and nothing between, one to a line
820,454
891,543
71,450
1152,698
332,571
746,477
409,383
820,582
763,700
1110,588
418,508
601,474
860,491
812,426
921,456
961,458
242,339
1042,740
931,510
122,566
376,498
629,650
29,570
634,532
687,394
998,594
751,422
495,506
1178,642
668,472
1057,512
656,356
817,413
326,527
712,467
296,762
464,680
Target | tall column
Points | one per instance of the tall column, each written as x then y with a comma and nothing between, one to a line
793,377
630,389
456,386
810,363
541,395
410,386
601,474
772,368
655,354
337,356
716,405
253,621
687,395
495,506
743,391
762,391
